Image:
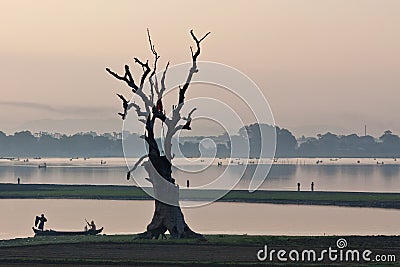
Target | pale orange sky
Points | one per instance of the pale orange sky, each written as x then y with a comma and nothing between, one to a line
334,64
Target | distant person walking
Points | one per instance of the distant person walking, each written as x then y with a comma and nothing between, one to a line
39,222
19,180
312,186
298,187
187,183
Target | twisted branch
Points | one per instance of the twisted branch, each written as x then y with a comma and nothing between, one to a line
188,120
153,84
163,81
128,175
126,78
193,69
152,112
176,116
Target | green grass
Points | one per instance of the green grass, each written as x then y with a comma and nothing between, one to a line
358,199
210,239
222,239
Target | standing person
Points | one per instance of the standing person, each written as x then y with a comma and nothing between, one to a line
312,186
19,180
298,187
187,183
40,220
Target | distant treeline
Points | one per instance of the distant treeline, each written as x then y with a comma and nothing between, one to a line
326,145
247,141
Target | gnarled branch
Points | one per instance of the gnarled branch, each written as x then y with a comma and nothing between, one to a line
188,120
146,71
156,111
139,112
125,106
163,88
176,116
153,84
128,175
126,78
193,69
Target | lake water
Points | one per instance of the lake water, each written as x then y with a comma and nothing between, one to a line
330,175
123,217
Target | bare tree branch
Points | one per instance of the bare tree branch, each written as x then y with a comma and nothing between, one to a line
189,117
156,111
163,81
153,84
146,71
139,112
188,120
176,117
126,78
125,106
193,69
128,175
131,83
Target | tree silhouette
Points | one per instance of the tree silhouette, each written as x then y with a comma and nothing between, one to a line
167,214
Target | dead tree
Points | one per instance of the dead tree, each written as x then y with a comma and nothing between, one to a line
168,214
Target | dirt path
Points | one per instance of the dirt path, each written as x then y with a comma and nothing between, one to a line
165,253
140,254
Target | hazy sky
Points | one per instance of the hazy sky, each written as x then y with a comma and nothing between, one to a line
323,65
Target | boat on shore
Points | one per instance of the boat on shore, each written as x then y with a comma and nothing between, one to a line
57,233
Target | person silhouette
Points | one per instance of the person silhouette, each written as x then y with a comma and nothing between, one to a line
39,222
92,226
312,186
298,187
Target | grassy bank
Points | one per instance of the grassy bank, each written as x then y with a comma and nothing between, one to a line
218,250
108,192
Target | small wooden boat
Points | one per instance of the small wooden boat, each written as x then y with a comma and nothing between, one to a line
56,233
44,165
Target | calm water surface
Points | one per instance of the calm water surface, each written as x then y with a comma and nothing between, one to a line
124,217
331,175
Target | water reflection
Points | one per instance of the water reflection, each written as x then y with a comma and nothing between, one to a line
389,171
374,178
229,218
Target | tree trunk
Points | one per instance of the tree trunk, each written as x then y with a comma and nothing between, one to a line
167,214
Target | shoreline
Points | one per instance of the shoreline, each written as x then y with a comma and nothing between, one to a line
113,192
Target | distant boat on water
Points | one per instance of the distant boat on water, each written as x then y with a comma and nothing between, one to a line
44,165
8,158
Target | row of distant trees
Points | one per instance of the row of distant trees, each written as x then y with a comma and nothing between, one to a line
25,144
326,145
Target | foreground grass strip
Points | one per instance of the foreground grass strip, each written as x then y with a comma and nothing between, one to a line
94,250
